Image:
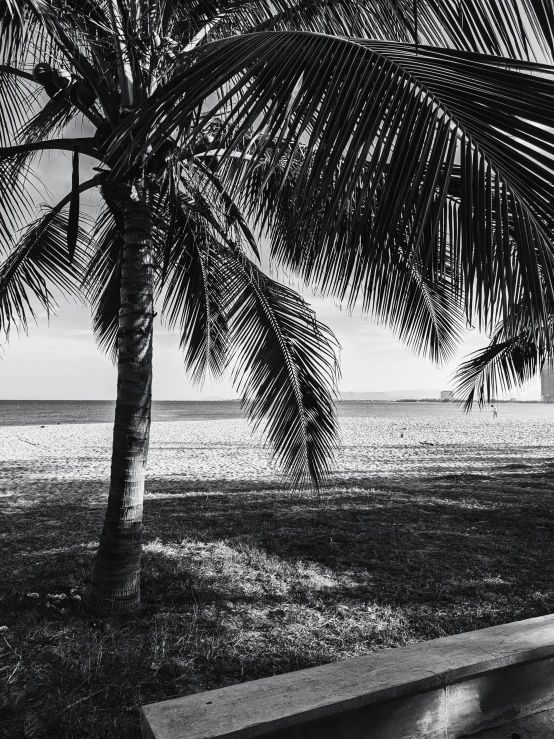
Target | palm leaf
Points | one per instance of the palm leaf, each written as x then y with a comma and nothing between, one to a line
193,300
284,361
285,369
18,180
15,198
515,354
383,127
228,205
403,294
22,31
102,280
50,120
520,29
77,36
37,265
213,19
16,202
505,364
15,103
516,28
342,18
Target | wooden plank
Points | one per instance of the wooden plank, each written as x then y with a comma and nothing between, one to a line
500,696
422,716
539,726
266,706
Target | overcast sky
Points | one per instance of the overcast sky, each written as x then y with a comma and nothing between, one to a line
59,360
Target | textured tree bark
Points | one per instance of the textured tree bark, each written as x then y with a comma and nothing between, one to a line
115,581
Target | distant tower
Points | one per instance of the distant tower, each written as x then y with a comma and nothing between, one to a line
547,384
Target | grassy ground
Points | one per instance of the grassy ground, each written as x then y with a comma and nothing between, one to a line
254,582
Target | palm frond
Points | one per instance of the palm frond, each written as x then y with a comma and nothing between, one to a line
383,128
229,206
22,31
16,201
505,364
423,310
102,279
516,352
285,369
386,19
50,120
11,22
193,299
521,29
38,265
224,307
213,19
19,182
80,38
15,104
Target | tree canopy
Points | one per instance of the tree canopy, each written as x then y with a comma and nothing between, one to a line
397,155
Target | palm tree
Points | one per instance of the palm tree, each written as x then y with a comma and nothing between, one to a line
396,154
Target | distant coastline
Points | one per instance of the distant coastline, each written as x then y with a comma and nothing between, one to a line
341,399
438,400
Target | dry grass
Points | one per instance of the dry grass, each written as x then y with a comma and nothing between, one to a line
252,582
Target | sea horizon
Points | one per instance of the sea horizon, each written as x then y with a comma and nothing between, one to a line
406,399
59,412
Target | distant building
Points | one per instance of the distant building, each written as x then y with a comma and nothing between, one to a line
447,395
547,384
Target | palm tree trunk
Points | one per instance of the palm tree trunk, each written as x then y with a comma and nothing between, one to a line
115,581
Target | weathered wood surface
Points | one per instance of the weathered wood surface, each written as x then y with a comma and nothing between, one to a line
322,696
500,696
539,726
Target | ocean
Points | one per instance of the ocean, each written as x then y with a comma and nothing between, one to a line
53,412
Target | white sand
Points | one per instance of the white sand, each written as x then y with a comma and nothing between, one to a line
225,450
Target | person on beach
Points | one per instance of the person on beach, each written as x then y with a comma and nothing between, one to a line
494,411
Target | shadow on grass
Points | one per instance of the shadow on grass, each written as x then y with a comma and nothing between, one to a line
243,581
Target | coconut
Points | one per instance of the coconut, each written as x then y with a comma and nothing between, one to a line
83,93
61,78
42,73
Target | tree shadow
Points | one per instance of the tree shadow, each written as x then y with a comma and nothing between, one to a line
243,579
429,540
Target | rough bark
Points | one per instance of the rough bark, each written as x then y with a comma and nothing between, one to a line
115,581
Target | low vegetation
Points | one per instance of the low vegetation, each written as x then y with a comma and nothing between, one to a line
252,582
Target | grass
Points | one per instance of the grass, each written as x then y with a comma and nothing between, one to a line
253,582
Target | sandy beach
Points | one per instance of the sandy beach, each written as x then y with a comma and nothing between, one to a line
41,461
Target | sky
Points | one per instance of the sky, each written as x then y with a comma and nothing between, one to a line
59,359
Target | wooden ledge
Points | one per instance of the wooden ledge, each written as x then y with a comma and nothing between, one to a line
368,690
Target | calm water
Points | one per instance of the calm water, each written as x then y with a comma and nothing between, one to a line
46,412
